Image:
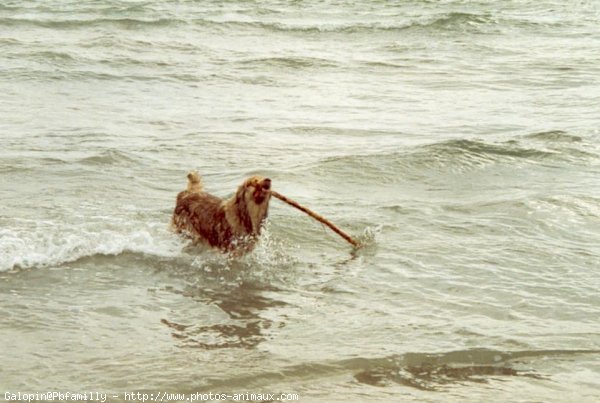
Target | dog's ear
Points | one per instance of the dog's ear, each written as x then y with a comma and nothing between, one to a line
240,192
242,207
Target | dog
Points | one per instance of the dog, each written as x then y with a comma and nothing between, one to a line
232,225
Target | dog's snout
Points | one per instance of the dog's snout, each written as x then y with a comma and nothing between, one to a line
266,183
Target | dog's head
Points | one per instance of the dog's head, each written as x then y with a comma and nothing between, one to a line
252,200
258,189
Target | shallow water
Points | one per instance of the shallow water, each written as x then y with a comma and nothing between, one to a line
458,139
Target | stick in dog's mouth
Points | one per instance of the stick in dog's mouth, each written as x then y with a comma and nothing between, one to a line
317,217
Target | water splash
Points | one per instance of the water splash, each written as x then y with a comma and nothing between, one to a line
267,263
370,235
272,251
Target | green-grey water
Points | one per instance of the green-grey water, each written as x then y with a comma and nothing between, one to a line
458,139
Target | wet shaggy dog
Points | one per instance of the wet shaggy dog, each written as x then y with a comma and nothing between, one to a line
231,225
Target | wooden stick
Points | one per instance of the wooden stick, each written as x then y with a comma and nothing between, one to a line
317,217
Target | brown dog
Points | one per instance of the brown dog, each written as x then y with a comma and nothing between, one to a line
231,225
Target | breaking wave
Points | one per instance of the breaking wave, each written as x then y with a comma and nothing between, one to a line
47,243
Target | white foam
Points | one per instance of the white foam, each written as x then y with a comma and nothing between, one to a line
47,243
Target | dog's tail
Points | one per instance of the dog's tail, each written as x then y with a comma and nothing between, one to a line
194,182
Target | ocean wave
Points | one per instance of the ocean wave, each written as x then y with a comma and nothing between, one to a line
9,168
555,135
579,208
289,62
480,151
57,58
452,21
460,155
108,157
455,21
26,244
125,23
10,42
464,146
48,243
445,22
434,371
424,371
54,55
114,74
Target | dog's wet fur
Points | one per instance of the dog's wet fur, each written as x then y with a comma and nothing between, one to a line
232,225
